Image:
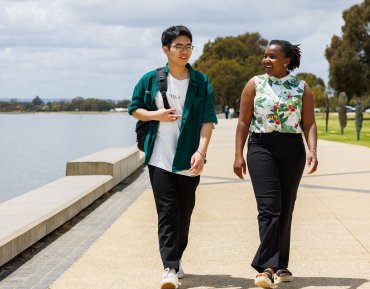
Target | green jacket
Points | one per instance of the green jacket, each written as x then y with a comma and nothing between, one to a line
198,109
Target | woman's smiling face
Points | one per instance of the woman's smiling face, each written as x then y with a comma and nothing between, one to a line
275,61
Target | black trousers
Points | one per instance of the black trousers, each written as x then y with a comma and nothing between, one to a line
174,196
275,163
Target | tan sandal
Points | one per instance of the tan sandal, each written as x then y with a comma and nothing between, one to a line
265,279
284,275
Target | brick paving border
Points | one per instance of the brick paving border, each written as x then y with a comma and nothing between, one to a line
41,264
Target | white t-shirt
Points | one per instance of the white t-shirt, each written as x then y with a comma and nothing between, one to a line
168,132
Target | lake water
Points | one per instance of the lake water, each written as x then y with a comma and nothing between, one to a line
34,148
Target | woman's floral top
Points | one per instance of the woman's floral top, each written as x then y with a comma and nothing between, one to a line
277,104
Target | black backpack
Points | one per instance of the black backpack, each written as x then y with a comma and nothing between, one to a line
142,127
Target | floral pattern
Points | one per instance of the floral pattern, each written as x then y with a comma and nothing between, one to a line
280,112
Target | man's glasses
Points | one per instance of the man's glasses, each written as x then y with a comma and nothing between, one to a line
180,47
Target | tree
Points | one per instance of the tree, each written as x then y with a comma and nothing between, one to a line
37,101
349,55
230,62
225,76
317,86
76,103
123,103
35,105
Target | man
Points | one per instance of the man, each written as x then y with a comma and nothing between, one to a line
176,145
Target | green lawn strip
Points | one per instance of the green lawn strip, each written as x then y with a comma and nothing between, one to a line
349,135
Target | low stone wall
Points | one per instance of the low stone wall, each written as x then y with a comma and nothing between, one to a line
116,162
31,216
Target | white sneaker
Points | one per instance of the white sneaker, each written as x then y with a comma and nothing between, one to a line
169,279
180,274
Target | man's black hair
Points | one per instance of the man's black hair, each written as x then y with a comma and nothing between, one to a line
173,32
291,51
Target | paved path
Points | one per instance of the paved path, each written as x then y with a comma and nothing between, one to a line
330,239
331,231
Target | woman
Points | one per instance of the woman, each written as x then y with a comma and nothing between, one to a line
275,109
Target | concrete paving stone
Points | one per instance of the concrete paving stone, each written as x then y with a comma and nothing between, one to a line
359,229
41,285
11,283
34,279
8,287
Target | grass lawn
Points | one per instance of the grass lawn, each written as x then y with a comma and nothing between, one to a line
349,135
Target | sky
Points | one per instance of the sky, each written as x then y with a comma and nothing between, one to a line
60,49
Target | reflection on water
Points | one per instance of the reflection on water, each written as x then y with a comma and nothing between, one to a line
34,148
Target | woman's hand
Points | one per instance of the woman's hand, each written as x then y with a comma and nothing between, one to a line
242,129
240,167
312,162
309,128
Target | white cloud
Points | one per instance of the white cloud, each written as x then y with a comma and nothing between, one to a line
68,48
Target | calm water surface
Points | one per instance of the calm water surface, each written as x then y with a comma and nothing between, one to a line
34,148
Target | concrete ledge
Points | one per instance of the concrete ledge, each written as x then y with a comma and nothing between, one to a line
31,216
116,162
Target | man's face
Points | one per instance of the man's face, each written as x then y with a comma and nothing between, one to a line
179,51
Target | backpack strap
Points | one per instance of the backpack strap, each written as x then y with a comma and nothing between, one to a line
162,84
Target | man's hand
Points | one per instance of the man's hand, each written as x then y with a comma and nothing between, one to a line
167,115
196,163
